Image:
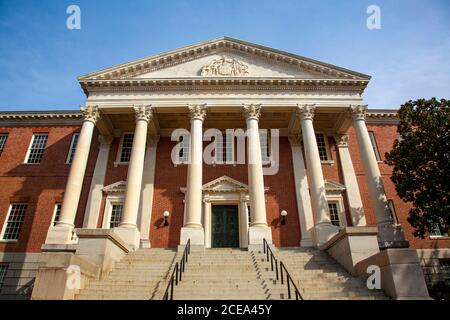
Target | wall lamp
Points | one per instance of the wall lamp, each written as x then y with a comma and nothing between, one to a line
166,216
283,217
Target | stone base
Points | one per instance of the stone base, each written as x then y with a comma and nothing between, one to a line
324,231
131,236
352,245
391,236
256,235
61,235
306,243
401,273
197,236
145,244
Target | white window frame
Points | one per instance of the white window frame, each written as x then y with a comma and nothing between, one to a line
55,210
373,142
327,147
440,235
226,151
265,158
119,151
110,201
337,198
6,135
185,144
3,271
72,150
393,211
7,219
31,144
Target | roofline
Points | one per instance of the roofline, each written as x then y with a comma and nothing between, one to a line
295,56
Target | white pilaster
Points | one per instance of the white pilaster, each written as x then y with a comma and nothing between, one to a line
351,184
193,228
127,229
258,228
305,213
207,220
388,234
98,179
148,179
63,233
243,225
323,229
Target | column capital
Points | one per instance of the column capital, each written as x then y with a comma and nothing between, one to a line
90,113
358,111
143,112
105,140
252,111
152,140
197,111
306,111
295,139
243,198
341,140
206,198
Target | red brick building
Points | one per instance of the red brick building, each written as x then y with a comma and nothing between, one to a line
317,186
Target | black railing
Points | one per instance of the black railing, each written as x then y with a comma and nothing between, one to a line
177,273
270,256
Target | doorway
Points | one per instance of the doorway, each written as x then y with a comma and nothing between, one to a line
224,226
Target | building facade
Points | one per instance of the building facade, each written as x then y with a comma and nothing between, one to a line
225,143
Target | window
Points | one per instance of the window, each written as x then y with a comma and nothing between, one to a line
183,153
225,154
333,209
56,213
322,146
126,147
73,147
374,145
439,230
116,215
264,141
3,270
392,211
444,266
16,216
37,148
3,138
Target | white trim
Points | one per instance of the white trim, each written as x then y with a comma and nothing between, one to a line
69,154
341,209
327,148
6,222
119,150
110,200
5,134
25,161
31,144
373,142
54,213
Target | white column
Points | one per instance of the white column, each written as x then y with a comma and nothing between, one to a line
258,228
128,227
243,221
388,234
351,184
207,220
145,208
304,208
193,228
98,179
63,233
323,229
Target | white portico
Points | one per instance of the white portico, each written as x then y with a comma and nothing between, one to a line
225,84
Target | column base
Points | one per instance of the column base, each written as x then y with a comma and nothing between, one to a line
61,235
306,243
324,231
391,236
197,236
131,236
145,244
256,236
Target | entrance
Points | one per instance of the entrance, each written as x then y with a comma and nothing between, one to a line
225,226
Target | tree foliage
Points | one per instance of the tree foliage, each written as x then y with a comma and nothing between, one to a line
421,163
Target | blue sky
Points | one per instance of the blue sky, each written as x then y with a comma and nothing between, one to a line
40,59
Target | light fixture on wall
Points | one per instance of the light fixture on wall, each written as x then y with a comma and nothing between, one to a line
283,217
166,216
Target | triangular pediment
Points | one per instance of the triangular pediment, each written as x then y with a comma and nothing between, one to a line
116,187
224,184
333,186
224,58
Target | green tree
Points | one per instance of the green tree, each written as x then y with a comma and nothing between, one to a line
421,163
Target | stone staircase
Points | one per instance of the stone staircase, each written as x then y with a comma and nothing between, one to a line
140,275
228,274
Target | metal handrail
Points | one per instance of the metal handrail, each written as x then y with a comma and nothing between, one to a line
268,252
177,272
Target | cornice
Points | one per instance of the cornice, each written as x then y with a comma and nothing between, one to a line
40,117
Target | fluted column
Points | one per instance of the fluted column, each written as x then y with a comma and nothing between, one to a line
351,184
193,228
62,233
323,229
258,227
128,227
388,234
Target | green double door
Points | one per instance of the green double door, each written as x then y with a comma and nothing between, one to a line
224,226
